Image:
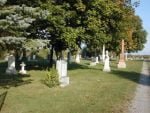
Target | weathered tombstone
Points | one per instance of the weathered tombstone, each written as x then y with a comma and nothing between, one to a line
78,58
106,63
23,71
34,57
93,63
96,60
61,66
11,65
58,66
29,58
122,63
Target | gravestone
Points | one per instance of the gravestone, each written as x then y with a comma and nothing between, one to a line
93,63
34,57
122,63
61,66
11,65
29,58
22,71
106,63
96,60
78,58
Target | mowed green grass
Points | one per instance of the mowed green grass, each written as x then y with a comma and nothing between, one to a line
90,91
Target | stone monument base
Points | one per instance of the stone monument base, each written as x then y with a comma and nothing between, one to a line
11,71
93,64
106,70
121,64
64,81
23,72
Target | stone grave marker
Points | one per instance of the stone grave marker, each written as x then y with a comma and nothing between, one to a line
93,63
23,71
96,60
78,58
29,58
122,63
11,65
106,63
61,66
34,57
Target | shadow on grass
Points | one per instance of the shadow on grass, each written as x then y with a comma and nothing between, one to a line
8,81
133,76
74,66
37,65
2,99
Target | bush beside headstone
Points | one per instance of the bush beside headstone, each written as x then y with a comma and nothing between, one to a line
52,78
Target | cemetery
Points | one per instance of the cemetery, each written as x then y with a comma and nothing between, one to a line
61,56
79,83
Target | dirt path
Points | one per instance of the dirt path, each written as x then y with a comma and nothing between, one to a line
141,101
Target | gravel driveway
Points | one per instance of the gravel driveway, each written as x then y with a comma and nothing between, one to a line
141,101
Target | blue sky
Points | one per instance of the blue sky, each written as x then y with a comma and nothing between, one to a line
143,11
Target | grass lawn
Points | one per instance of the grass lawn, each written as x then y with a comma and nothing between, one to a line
90,91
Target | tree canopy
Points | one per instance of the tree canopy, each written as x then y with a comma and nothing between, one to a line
68,23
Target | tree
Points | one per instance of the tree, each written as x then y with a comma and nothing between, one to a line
55,26
68,23
126,29
14,19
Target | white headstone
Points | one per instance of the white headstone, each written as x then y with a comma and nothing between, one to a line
106,63
34,57
11,65
58,66
61,66
22,71
78,58
96,60
92,63
29,58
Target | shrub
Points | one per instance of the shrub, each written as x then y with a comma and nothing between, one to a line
52,79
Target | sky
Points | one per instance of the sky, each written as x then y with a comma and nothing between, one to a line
143,11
